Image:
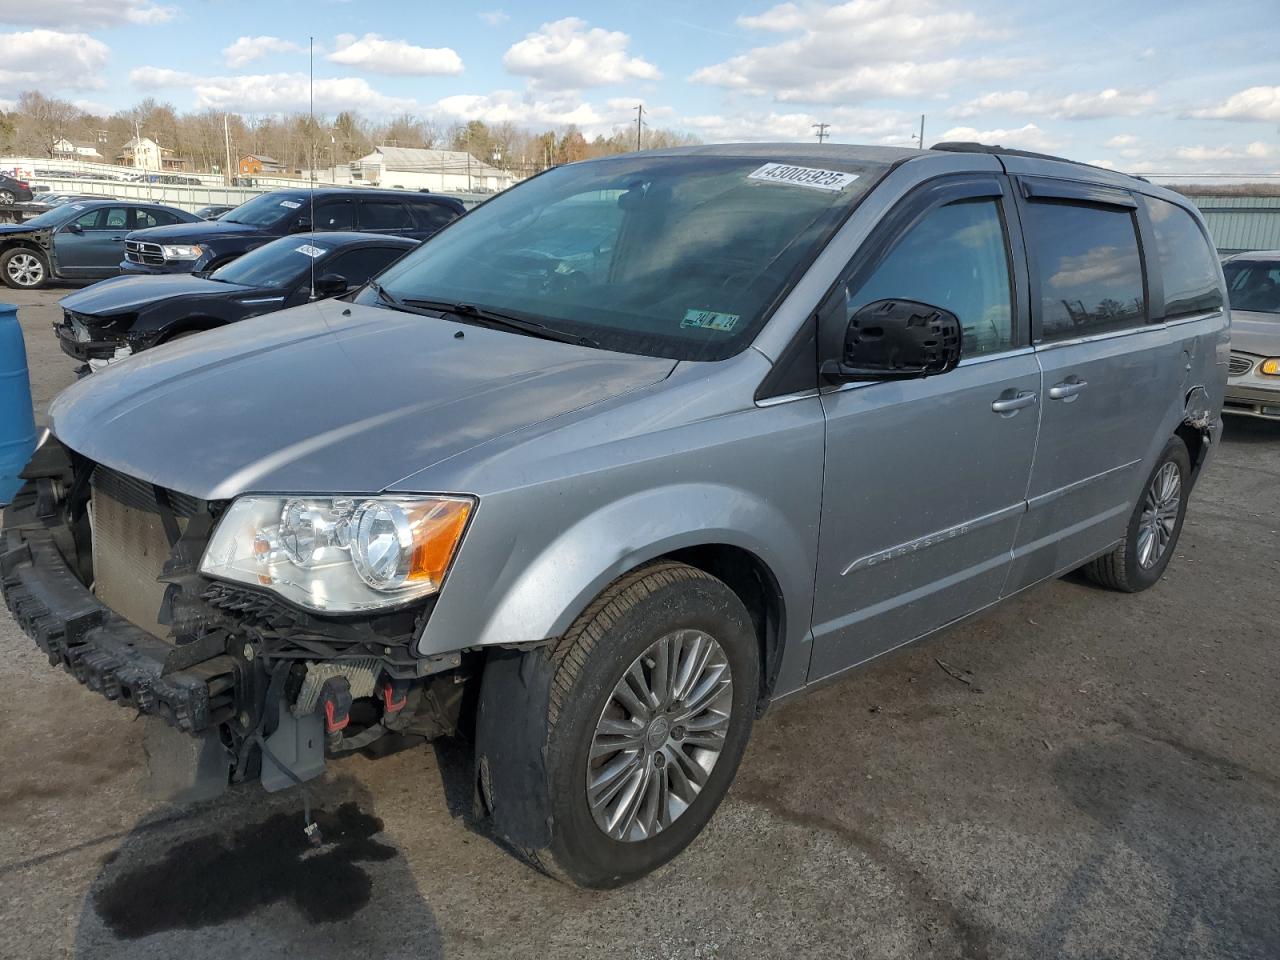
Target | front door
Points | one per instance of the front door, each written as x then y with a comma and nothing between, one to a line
1110,376
96,247
925,480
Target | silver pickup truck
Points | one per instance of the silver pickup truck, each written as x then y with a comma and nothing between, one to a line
621,457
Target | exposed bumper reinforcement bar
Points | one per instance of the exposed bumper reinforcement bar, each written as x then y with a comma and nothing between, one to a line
104,651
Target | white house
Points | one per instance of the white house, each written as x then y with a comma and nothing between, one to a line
66,150
146,154
440,170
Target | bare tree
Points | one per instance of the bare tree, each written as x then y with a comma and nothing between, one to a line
43,121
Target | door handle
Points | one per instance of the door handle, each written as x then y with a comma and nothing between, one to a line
1068,389
1009,405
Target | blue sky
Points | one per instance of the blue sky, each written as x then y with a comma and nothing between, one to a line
1147,87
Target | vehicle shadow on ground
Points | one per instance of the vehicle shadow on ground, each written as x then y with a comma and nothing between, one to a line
1250,430
240,870
1203,824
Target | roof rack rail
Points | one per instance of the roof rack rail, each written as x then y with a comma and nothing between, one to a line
970,146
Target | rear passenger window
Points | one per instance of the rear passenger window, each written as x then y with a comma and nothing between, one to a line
433,216
384,215
1090,274
1188,266
954,258
334,215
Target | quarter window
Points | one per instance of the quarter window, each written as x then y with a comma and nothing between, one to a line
1187,265
384,215
1086,260
956,257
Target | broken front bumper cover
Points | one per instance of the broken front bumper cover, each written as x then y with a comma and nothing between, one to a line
104,651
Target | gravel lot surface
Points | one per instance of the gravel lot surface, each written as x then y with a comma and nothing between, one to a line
1106,784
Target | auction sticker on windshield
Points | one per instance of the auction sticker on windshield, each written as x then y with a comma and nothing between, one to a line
310,251
833,180
291,204
710,320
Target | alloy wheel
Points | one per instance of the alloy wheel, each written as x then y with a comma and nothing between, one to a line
1159,515
25,269
6,196
659,736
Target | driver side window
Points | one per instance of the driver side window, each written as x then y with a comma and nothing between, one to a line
955,257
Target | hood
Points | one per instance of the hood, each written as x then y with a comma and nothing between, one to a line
6,228
195,231
310,401
128,294
1254,332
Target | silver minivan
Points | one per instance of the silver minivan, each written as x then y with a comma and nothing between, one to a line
623,456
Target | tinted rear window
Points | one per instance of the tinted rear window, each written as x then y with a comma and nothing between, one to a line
433,216
1188,265
384,215
1086,261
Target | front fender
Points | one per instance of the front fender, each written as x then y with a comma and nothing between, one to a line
549,590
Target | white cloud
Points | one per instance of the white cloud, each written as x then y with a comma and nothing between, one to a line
79,14
50,59
274,92
1253,151
247,49
856,50
1122,140
1073,106
569,54
398,57
847,124
494,18
1028,137
510,106
1256,103
94,107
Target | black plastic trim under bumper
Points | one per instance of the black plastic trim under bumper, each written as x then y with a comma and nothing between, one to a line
103,650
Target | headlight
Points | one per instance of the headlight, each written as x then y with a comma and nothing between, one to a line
182,251
339,554
1270,366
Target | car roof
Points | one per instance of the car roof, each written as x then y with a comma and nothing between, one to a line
1260,255
365,192
344,238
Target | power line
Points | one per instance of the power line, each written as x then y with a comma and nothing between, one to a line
822,131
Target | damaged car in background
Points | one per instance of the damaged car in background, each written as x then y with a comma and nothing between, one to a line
776,410
125,315
1253,284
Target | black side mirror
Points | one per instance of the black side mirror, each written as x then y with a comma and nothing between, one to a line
897,340
74,228
331,284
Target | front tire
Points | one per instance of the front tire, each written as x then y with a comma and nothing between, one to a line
24,269
1141,558
604,756
6,197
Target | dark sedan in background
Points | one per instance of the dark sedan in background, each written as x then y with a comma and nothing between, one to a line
210,244
76,241
13,190
118,317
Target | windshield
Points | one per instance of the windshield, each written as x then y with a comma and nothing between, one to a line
1253,285
54,217
681,257
266,210
275,264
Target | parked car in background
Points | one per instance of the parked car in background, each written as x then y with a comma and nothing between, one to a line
210,244
776,410
214,211
80,240
125,315
47,201
13,190
1253,284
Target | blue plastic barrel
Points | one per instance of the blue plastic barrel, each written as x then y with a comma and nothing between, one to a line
17,423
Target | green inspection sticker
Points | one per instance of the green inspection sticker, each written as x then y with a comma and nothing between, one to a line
710,320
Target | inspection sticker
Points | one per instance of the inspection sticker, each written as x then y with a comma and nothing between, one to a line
291,204
710,320
833,180
310,251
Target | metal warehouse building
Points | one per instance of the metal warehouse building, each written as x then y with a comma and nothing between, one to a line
1238,224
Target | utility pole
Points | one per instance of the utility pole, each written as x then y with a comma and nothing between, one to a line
639,122
922,131
822,131
226,139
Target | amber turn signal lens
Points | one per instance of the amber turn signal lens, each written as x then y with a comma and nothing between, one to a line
437,529
1271,367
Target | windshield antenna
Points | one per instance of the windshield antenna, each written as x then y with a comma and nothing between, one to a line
311,161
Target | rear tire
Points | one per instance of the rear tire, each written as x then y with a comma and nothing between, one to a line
22,268
1141,558
566,735
6,197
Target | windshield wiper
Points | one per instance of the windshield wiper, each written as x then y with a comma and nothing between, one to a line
389,299
494,318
